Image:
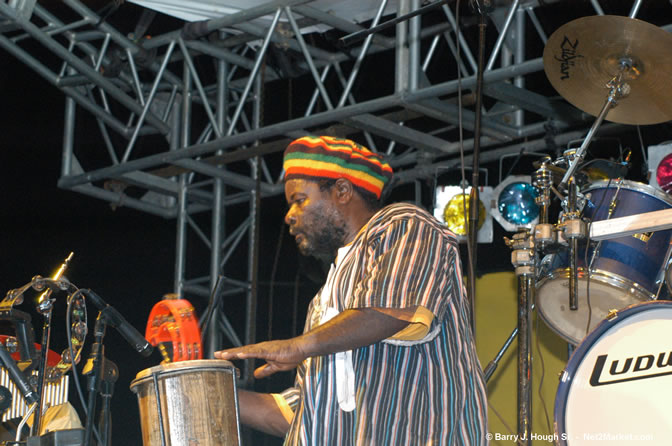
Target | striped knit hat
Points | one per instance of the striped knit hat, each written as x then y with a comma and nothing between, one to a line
326,157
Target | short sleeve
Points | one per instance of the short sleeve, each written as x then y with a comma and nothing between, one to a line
287,401
409,262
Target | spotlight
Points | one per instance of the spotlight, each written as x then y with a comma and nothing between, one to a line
449,208
515,205
660,166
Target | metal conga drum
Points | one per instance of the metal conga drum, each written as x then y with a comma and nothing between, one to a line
188,403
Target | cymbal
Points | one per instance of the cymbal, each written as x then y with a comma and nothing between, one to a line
582,56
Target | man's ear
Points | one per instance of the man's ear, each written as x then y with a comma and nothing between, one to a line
343,190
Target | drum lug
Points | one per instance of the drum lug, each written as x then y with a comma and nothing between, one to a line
612,314
574,228
545,234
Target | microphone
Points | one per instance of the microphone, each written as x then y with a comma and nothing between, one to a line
17,376
116,320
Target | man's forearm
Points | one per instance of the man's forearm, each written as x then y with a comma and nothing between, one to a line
260,411
349,330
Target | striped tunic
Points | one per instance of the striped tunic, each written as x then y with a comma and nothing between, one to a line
425,392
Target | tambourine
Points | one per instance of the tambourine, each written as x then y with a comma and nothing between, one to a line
173,323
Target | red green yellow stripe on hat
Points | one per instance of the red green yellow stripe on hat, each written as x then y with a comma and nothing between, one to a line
326,157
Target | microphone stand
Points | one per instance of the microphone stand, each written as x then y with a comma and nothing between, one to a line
472,232
100,370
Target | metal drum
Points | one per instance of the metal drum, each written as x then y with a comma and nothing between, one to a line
197,404
617,385
625,271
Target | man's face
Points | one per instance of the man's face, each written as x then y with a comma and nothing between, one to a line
314,220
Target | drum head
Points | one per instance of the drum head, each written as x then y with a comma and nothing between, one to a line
617,385
607,292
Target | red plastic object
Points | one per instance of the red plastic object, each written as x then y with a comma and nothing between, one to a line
174,321
52,357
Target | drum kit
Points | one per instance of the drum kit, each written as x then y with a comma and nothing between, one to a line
596,276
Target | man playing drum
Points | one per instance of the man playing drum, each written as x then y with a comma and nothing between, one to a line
387,356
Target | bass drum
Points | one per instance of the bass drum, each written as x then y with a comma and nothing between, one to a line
617,385
625,271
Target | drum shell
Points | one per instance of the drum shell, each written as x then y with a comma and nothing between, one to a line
199,403
625,271
638,257
615,387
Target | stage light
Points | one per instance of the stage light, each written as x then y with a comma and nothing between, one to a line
660,167
449,209
514,205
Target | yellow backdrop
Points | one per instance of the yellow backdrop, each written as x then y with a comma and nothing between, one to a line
496,317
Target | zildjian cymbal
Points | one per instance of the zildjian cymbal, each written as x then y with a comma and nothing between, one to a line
582,56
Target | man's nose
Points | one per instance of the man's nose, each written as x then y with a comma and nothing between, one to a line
290,219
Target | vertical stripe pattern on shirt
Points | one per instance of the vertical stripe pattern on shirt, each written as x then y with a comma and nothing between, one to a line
429,393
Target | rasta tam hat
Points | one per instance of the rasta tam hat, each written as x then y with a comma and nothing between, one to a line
326,157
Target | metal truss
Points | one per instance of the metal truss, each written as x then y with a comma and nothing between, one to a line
182,117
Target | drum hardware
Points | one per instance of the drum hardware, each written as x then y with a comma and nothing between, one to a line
542,179
574,230
617,89
523,258
489,370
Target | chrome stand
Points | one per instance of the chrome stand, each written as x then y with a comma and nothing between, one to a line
523,259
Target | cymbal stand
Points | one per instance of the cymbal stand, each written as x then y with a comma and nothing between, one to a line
523,259
618,88
489,370
542,180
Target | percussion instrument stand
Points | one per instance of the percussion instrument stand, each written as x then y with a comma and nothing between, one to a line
523,259
45,306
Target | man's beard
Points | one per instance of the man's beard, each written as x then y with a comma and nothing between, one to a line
325,232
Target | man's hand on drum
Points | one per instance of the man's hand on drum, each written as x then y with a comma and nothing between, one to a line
280,356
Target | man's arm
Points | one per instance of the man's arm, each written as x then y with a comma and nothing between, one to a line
348,330
260,411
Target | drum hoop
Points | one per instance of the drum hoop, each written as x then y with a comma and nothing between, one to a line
579,355
602,276
178,368
630,185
